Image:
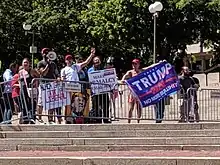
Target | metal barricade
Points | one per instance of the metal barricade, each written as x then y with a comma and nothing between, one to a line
175,106
11,104
74,102
83,102
208,104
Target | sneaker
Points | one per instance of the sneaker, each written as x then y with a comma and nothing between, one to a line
51,122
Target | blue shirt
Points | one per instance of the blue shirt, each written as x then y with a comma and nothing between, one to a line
8,76
92,69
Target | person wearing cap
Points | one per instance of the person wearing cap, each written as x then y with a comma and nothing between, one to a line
73,72
68,74
48,70
131,99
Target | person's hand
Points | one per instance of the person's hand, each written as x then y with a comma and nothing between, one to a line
196,86
121,81
58,79
93,51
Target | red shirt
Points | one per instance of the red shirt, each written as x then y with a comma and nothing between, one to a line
15,89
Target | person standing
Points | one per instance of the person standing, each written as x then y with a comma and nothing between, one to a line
196,106
16,92
7,94
48,70
131,99
26,76
76,72
69,74
188,86
100,102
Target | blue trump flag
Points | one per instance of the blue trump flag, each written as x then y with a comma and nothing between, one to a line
154,84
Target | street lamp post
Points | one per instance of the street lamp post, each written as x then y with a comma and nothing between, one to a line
155,9
33,49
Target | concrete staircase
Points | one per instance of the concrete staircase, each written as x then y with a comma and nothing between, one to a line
132,144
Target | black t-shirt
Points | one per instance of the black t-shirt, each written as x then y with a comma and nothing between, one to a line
52,73
186,82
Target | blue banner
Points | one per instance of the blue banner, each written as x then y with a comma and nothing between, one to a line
154,84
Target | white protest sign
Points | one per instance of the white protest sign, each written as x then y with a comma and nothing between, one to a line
54,95
73,87
103,81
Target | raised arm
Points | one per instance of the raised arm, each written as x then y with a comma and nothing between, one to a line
88,60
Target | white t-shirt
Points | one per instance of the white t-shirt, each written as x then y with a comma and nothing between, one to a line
76,67
69,74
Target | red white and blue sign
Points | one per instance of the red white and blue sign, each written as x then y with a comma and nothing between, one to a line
154,84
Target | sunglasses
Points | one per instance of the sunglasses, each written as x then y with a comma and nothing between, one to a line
133,63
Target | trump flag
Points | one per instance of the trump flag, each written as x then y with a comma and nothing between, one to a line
154,84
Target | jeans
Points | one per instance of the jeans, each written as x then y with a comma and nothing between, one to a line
159,110
100,103
8,107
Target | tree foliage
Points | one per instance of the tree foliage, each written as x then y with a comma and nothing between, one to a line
119,28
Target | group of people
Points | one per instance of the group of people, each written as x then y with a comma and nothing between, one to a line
188,93
19,82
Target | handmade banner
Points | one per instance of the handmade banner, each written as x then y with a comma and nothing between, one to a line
154,84
102,81
54,95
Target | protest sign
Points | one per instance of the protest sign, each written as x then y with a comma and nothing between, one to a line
154,84
102,81
73,87
54,95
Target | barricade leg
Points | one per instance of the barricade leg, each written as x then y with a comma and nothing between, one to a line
105,107
196,110
191,109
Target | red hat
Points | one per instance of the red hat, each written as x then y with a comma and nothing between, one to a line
68,57
136,61
44,50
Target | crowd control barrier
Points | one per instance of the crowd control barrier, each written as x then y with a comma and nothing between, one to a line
11,102
72,102
82,102
194,104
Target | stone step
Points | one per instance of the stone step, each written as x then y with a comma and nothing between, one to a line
109,147
111,161
106,134
113,141
110,158
110,127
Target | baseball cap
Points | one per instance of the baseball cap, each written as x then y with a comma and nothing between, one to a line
68,57
44,50
136,61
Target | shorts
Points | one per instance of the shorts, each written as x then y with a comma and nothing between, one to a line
132,99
